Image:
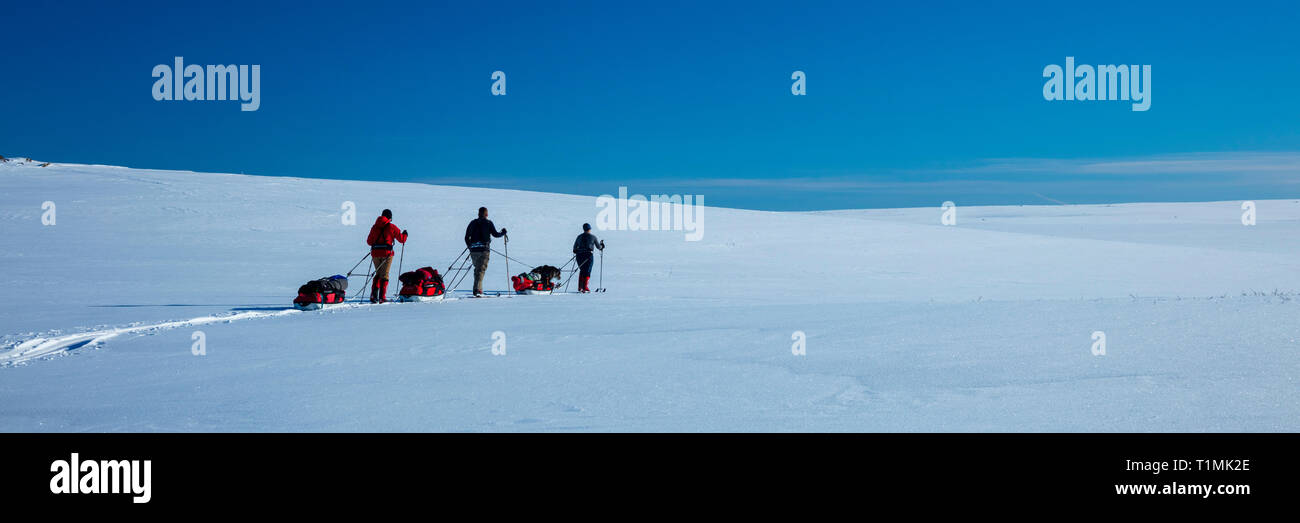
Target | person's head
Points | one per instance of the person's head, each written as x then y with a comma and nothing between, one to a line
482,212
586,227
388,214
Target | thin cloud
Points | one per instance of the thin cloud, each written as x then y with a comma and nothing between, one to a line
1235,163
1282,168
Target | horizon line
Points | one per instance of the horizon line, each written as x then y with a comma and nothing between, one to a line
1281,167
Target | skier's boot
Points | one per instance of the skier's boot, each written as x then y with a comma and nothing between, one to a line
374,292
582,283
383,291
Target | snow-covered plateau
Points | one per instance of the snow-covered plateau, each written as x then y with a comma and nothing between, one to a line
114,277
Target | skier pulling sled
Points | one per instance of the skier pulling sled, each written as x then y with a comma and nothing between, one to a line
381,238
424,284
540,280
583,247
322,293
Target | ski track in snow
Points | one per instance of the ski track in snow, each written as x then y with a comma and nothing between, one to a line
39,347
23,351
19,352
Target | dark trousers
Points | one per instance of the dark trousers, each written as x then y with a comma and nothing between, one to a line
585,261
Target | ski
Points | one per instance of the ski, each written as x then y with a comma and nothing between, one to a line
486,294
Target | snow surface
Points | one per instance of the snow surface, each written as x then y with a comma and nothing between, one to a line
910,325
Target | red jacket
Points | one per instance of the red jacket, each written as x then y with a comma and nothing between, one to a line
381,238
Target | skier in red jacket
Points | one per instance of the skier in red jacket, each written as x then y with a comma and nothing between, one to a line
381,238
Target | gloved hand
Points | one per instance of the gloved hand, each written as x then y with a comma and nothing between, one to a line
602,245
404,233
503,231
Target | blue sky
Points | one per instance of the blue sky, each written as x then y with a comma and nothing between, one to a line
908,104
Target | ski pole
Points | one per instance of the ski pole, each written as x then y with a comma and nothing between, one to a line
400,259
507,241
601,285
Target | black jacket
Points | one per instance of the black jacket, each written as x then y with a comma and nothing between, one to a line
587,242
479,234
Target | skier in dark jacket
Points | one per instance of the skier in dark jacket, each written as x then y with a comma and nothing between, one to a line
382,235
583,248
478,238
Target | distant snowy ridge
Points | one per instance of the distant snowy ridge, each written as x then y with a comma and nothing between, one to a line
22,162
